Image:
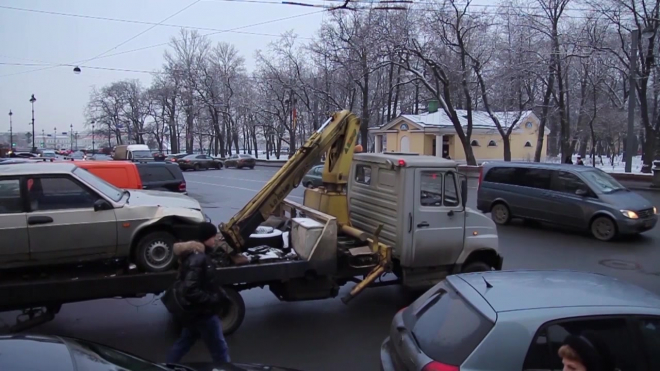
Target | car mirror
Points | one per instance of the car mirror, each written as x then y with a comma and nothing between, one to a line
464,192
581,192
101,204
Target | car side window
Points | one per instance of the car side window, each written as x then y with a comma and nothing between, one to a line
566,182
201,157
318,171
611,337
450,190
533,178
363,174
58,193
10,196
431,189
650,332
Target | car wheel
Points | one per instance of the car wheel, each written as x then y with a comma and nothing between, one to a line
155,252
196,167
268,236
476,267
500,214
252,167
307,184
603,228
239,167
232,314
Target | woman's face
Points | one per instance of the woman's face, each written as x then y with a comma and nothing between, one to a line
570,365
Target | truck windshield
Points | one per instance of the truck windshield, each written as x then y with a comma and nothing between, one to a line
110,191
142,155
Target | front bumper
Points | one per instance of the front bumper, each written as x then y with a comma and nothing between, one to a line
386,361
634,226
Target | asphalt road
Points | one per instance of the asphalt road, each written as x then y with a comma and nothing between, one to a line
328,335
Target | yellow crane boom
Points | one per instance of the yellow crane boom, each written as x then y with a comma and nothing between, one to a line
337,138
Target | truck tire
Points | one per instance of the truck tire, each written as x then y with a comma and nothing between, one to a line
155,252
266,236
232,316
476,266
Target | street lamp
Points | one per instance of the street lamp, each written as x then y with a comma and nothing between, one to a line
32,100
11,133
71,137
43,138
76,136
76,70
648,33
55,138
92,136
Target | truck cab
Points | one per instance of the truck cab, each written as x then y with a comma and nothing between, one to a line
133,152
421,203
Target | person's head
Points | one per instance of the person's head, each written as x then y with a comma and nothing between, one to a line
206,234
571,359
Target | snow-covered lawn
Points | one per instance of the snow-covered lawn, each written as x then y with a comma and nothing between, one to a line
619,165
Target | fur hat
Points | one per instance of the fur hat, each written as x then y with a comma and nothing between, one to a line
205,231
594,353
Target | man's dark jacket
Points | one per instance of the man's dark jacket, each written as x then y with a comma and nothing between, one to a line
198,290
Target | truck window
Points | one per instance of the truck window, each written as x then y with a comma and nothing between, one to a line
363,174
431,189
451,191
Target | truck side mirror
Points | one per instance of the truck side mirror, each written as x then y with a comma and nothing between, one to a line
464,192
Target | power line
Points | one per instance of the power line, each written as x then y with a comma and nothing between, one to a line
84,16
167,43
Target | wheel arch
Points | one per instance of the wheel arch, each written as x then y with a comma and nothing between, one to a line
486,255
180,228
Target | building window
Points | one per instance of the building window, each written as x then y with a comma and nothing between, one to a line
474,143
492,144
528,144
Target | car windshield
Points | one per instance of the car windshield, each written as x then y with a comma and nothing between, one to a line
93,357
48,154
603,181
110,191
142,154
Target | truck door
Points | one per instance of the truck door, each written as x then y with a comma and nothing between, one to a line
438,219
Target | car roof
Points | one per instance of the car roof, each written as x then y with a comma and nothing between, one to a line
411,159
34,352
539,165
37,168
524,290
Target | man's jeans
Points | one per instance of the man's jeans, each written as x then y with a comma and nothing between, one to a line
210,330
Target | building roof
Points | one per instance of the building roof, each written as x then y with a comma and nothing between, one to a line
524,290
37,168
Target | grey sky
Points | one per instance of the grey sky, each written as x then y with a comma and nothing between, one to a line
28,37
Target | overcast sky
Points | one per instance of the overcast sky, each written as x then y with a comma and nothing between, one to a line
39,38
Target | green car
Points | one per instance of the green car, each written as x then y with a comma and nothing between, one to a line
314,177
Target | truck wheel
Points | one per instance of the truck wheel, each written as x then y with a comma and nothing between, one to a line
500,214
476,267
155,252
232,315
264,235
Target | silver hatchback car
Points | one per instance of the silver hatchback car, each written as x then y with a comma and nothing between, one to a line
518,320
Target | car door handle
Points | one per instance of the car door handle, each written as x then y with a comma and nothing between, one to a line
422,225
39,220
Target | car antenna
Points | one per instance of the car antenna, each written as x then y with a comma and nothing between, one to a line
488,285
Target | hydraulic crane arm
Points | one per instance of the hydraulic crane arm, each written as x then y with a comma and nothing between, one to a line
336,137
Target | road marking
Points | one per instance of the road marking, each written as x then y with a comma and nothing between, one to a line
239,188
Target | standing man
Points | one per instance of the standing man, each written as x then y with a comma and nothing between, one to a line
201,296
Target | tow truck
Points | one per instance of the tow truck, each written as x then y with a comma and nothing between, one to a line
334,236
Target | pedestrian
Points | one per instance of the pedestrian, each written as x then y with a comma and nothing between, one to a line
201,296
579,161
585,352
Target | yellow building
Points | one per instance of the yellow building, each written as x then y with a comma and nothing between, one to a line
434,134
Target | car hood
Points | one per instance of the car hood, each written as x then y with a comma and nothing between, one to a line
627,200
162,198
235,367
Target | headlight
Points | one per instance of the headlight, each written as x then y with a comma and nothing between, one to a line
655,210
629,214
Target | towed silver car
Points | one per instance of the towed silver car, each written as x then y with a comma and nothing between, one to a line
57,213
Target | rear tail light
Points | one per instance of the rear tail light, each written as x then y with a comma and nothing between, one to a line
437,366
182,187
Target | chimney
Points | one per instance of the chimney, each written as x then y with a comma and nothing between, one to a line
432,106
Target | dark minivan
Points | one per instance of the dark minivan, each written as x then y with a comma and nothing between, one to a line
161,176
563,194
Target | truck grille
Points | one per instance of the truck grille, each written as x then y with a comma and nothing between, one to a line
646,213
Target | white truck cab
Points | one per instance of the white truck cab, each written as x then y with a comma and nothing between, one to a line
133,152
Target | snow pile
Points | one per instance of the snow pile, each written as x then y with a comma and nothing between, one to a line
616,165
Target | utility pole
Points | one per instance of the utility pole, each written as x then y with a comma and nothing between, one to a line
11,132
632,98
34,147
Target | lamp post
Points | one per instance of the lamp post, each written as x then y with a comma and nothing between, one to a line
632,97
43,138
55,138
71,137
11,133
92,136
76,136
32,100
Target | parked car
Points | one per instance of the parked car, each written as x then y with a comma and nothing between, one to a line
240,161
198,162
46,352
510,320
562,194
121,174
313,178
63,214
49,155
175,157
162,176
99,157
7,161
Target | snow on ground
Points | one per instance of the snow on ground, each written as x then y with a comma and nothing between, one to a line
616,166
